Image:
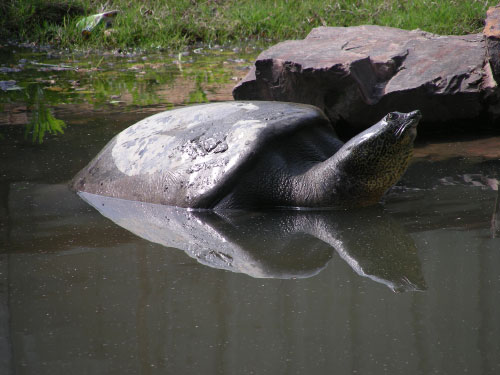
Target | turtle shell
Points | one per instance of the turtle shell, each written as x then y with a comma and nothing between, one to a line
189,157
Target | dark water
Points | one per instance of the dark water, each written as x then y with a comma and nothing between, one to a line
117,287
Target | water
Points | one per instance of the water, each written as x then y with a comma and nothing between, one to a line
106,286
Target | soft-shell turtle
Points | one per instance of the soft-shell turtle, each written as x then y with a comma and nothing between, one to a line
250,154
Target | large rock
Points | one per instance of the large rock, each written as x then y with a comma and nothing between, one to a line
359,74
492,35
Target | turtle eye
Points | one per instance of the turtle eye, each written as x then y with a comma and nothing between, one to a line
392,116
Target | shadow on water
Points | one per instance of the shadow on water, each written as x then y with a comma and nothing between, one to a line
277,244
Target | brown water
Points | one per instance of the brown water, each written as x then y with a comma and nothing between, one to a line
410,287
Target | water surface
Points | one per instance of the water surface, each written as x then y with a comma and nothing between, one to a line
105,286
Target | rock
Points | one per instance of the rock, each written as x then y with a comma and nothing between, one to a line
9,85
492,35
357,74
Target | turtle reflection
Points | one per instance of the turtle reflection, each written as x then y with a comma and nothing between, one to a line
276,244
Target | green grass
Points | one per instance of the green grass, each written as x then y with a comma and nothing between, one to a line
174,24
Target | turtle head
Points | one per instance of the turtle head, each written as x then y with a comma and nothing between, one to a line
374,160
393,132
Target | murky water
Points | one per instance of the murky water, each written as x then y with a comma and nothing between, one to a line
105,286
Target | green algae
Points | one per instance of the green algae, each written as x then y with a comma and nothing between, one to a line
48,82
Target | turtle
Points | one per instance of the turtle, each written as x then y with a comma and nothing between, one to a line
250,154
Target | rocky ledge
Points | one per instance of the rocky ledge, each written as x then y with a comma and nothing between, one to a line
359,74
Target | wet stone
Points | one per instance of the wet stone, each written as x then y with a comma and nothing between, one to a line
9,85
6,69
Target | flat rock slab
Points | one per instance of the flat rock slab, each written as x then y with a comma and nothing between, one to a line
359,74
492,35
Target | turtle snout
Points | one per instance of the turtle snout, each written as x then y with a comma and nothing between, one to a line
415,116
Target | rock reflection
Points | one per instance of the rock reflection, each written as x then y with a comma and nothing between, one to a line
276,244
484,182
450,187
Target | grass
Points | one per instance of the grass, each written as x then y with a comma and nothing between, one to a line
173,24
